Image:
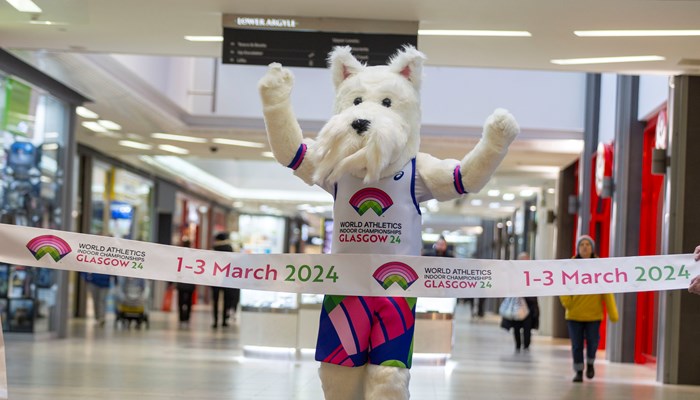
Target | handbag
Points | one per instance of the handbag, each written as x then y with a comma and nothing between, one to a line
514,308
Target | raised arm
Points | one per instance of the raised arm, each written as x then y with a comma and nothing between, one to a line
448,179
283,131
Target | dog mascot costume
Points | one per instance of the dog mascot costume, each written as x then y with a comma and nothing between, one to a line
367,157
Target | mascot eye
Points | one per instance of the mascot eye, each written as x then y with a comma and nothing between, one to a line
386,102
357,100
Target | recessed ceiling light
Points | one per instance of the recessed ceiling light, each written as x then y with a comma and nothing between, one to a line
94,126
135,145
134,136
526,193
25,6
551,191
460,32
508,196
173,149
476,202
204,38
179,138
242,143
494,192
638,33
494,205
111,125
50,146
86,113
268,154
52,23
606,60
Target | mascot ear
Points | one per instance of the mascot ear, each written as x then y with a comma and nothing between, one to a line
343,64
408,63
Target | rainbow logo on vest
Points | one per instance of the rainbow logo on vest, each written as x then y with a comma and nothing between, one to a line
52,245
395,272
371,199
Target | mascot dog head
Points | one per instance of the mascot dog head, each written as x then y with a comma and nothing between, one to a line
375,129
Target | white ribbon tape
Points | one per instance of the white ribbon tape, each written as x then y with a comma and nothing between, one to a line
344,274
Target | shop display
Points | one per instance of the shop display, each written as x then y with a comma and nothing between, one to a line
262,234
367,157
19,282
262,300
21,315
34,126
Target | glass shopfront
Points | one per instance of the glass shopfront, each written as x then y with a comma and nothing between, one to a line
121,203
34,129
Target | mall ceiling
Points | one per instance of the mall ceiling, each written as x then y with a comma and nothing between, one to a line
159,26
80,29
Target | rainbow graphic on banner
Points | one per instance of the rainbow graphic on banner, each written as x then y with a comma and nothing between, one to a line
52,245
395,272
371,199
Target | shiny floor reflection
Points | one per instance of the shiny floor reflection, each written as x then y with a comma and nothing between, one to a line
167,362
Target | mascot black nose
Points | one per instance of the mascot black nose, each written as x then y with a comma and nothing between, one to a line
360,125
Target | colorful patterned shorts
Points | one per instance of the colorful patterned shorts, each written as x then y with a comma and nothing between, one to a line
355,330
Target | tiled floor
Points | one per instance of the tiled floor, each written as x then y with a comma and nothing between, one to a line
165,362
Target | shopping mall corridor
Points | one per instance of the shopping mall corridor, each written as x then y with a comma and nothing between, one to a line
165,362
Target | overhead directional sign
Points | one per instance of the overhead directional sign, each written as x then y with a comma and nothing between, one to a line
306,42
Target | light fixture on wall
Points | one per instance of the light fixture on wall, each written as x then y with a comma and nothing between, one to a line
27,6
241,143
606,60
178,138
639,33
464,32
173,149
86,113
204,38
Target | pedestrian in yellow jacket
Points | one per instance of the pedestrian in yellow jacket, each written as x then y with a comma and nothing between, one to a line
584,314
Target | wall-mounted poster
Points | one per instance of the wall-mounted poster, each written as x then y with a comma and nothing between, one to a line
21,315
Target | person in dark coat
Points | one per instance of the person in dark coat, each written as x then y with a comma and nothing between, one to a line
440,249
231,295
522,330
184,296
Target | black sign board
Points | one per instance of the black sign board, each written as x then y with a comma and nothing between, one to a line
307,49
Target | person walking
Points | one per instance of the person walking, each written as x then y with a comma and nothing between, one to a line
230,295
185,292
522,330
584,314
98,285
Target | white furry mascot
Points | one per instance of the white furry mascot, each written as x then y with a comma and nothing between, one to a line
367,157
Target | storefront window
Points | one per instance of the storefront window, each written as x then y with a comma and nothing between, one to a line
262,234
191,222
33,131
121,203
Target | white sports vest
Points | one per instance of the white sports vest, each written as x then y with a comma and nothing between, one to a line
381,218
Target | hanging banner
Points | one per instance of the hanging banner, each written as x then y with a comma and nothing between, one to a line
344,274
16,119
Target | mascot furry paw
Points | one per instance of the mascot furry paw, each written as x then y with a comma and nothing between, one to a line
367,157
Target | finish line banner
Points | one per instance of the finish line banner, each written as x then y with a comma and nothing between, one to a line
344,274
